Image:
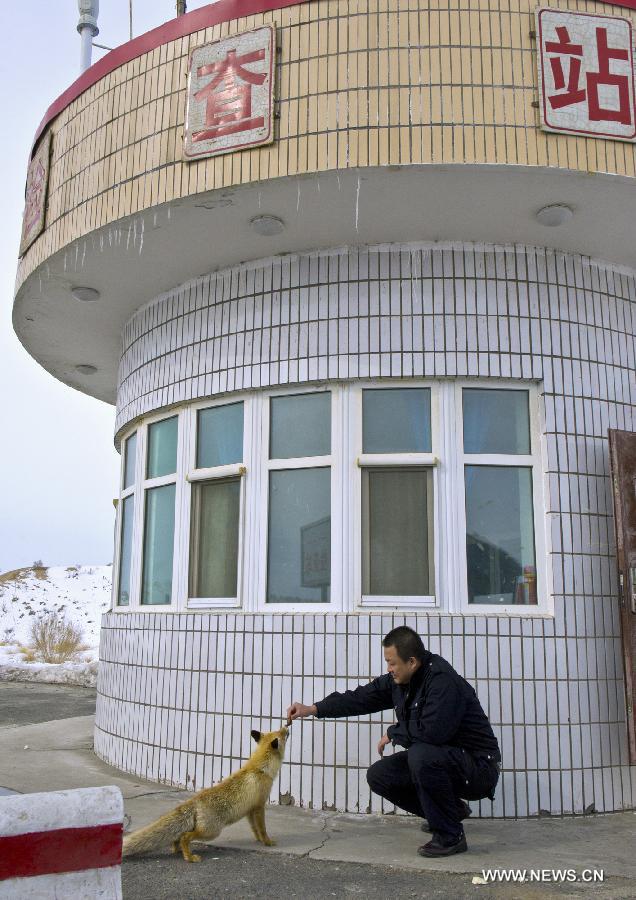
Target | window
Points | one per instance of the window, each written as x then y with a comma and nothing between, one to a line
127,521
498,481
159,513
216,506
385,494
397,494
299,508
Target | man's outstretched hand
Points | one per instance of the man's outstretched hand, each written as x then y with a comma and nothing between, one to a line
299,711
384,740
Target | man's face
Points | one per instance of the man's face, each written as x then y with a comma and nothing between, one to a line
401,671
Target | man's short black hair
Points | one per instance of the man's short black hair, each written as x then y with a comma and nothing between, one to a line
407,643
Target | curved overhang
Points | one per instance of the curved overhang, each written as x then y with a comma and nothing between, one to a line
136,259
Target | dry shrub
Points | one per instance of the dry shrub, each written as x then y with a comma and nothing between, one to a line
28,654
54,640
16,575
40,571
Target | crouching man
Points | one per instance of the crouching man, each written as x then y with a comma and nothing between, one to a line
451,752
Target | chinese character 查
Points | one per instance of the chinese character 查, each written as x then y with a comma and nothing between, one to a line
228,96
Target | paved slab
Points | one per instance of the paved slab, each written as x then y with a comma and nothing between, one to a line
60,755
25,704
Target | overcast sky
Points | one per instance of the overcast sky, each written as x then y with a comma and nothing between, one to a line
58,467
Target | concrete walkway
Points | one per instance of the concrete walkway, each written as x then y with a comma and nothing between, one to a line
58,755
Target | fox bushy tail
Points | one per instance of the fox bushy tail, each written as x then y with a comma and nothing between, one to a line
161,833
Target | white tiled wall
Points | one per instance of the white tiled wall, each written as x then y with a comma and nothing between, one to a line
178,694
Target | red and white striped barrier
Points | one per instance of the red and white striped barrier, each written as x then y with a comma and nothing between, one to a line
61,844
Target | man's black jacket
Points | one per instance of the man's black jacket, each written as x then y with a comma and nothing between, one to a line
437,707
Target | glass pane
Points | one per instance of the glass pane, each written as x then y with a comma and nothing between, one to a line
156,585
162,448
300,426
125,549
130,454
396,420
500,535
299,543
220,436
215,535
397,546
496,421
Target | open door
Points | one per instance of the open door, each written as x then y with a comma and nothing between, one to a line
622,446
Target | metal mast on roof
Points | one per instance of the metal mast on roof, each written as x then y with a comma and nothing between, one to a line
87,27
181,7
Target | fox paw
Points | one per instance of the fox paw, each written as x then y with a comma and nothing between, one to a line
194,857
269,842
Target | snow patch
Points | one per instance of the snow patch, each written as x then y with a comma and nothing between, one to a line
80,593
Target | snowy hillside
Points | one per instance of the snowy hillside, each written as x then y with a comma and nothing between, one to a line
79,593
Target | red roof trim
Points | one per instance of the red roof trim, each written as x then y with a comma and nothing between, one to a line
197,20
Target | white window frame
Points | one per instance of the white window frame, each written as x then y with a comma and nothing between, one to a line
195,476
124,493
392,460
533,461
146,484
347,463
329,461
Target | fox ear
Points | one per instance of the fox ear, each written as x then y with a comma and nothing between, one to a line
256,735
275,743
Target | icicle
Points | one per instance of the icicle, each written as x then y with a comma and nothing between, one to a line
128,237
83,254
297,197
141,238
357,203
259,199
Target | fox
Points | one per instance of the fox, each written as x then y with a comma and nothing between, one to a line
204,816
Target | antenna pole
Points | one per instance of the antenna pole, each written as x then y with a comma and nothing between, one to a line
87,27
181,7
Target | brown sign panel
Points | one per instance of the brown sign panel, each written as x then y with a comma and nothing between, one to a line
622,445
230,95
35,196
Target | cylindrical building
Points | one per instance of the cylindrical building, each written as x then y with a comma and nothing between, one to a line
361,280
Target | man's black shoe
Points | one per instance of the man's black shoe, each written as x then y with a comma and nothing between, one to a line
465,812
442,847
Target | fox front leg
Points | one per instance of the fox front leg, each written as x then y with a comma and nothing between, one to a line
257,821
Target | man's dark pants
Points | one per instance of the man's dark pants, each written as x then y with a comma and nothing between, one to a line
428,780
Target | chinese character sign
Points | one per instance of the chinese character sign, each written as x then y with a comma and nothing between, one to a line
586,74
35,196
230,94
